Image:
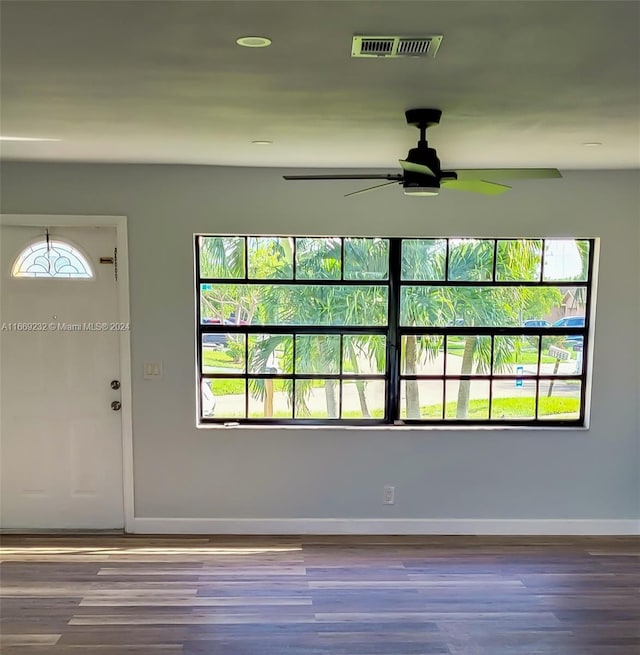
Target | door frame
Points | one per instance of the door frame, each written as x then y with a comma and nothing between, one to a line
120,225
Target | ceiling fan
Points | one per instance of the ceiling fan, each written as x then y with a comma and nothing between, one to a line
421,173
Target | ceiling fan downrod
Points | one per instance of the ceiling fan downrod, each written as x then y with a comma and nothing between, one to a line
423,118
422,154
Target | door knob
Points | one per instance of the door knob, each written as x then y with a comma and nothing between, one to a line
116,405
115,384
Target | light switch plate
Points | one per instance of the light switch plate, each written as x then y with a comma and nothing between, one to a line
152,370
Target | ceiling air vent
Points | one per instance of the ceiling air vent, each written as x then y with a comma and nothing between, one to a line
395,46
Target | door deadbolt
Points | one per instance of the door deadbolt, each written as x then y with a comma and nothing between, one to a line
116,405
115,384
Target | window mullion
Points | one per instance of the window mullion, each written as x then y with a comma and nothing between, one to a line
393,339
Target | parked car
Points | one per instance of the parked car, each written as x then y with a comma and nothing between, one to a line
571,322
234,320
219,339
213,339
536,322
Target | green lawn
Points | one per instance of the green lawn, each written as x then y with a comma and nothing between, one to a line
216,358
233,387
507,407
560,407
219,359
529,356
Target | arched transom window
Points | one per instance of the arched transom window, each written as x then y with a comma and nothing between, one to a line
51,259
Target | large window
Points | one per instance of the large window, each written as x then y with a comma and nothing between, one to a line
340,330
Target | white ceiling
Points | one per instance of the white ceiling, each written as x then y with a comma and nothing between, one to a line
520,83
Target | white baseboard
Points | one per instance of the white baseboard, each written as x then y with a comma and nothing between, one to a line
386,526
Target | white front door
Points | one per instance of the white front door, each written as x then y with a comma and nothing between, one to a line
60,438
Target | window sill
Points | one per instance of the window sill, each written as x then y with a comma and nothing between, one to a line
395,428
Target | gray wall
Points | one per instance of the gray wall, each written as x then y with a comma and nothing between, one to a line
181,471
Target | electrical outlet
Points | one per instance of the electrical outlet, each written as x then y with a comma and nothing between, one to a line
389,495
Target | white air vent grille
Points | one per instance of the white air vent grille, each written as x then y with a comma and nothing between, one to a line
376,47
414,47
395,46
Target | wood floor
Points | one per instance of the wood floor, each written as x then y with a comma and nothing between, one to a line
320,595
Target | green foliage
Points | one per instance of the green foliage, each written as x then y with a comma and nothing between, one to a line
222,257
318,258
518,259
423,259
470,259
270,257
366,259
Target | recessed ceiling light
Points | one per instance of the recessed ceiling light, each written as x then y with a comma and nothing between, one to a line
262,143
26,138
254,41
592,144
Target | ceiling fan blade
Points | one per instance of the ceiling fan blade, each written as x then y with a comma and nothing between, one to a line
363,176
416,168
371,188
507,173
476,186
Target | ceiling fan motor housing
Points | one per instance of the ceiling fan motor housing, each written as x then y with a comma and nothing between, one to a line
425,156
419,184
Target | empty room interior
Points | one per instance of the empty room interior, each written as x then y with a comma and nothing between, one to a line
320,327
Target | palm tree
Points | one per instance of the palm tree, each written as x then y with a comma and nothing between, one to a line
422,259
469,259
503,306
331,305
336,305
